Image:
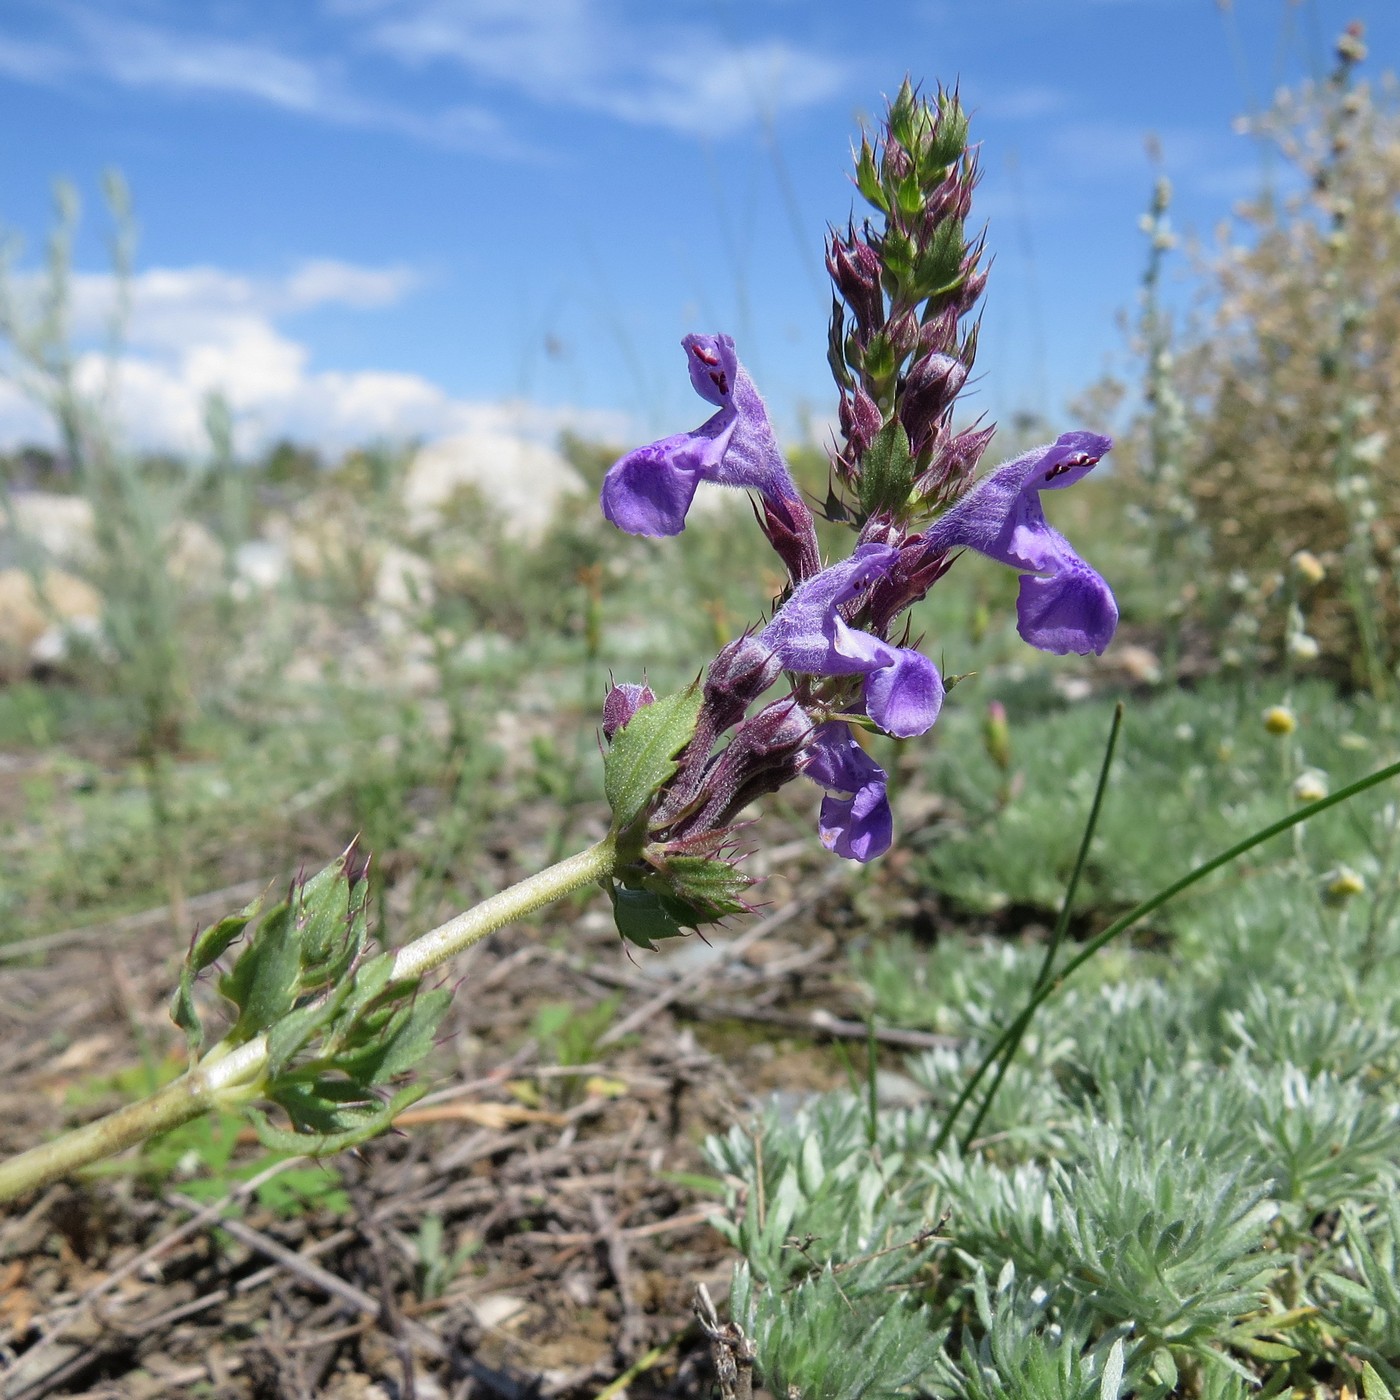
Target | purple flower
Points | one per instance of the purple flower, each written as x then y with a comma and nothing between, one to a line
903,690
855,819
649,491
1063,605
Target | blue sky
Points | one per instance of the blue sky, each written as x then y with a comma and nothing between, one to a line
398,217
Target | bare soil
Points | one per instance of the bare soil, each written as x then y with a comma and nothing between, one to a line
569,1189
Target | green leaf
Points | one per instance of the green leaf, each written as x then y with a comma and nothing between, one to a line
371,979
1372,1386
293,1031
888,471
371,1123
642,757
1111,1382
214,941
1268,1351
264,981
939,266
208,946
949,133
868,179
642,916
323,912
399,1046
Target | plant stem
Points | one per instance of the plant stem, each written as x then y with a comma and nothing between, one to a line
236,1072
1148,906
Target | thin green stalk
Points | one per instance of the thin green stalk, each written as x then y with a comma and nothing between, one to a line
1149,906
236,1073
1042,978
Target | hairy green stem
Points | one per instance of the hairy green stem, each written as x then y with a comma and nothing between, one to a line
1154,902
235,1074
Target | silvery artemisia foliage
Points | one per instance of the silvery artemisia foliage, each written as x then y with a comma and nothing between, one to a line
901,346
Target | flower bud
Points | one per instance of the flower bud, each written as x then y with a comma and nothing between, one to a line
1341,885
764,755
996,735
621,703
1302,647
1351,47
739,675
1310,785
855,269
860,420
1308,567
1280,720
929,391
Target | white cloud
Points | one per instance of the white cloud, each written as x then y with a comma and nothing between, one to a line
589,54
140,55
196,331
581,53
136,54
322,280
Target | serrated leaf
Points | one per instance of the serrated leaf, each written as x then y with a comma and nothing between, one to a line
642,756
641,917
313,1144
401,1047
323,912
868,178
209,945
264,981
950,134
887,470
213,942
293,1031
939,265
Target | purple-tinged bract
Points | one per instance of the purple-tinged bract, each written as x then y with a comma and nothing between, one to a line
621,703
903,690
855,819
649,491
1064,606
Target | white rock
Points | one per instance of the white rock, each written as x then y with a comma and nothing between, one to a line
523,481
30,618
260,565
497,1309
403,580
63,525
193,555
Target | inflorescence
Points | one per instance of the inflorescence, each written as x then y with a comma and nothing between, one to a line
901,347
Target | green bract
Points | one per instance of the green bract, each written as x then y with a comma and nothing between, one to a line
643,753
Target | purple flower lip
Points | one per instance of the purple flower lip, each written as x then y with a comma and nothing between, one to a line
649,490
903,691
855,820
1063,605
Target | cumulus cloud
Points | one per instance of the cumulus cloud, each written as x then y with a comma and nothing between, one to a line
196,331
